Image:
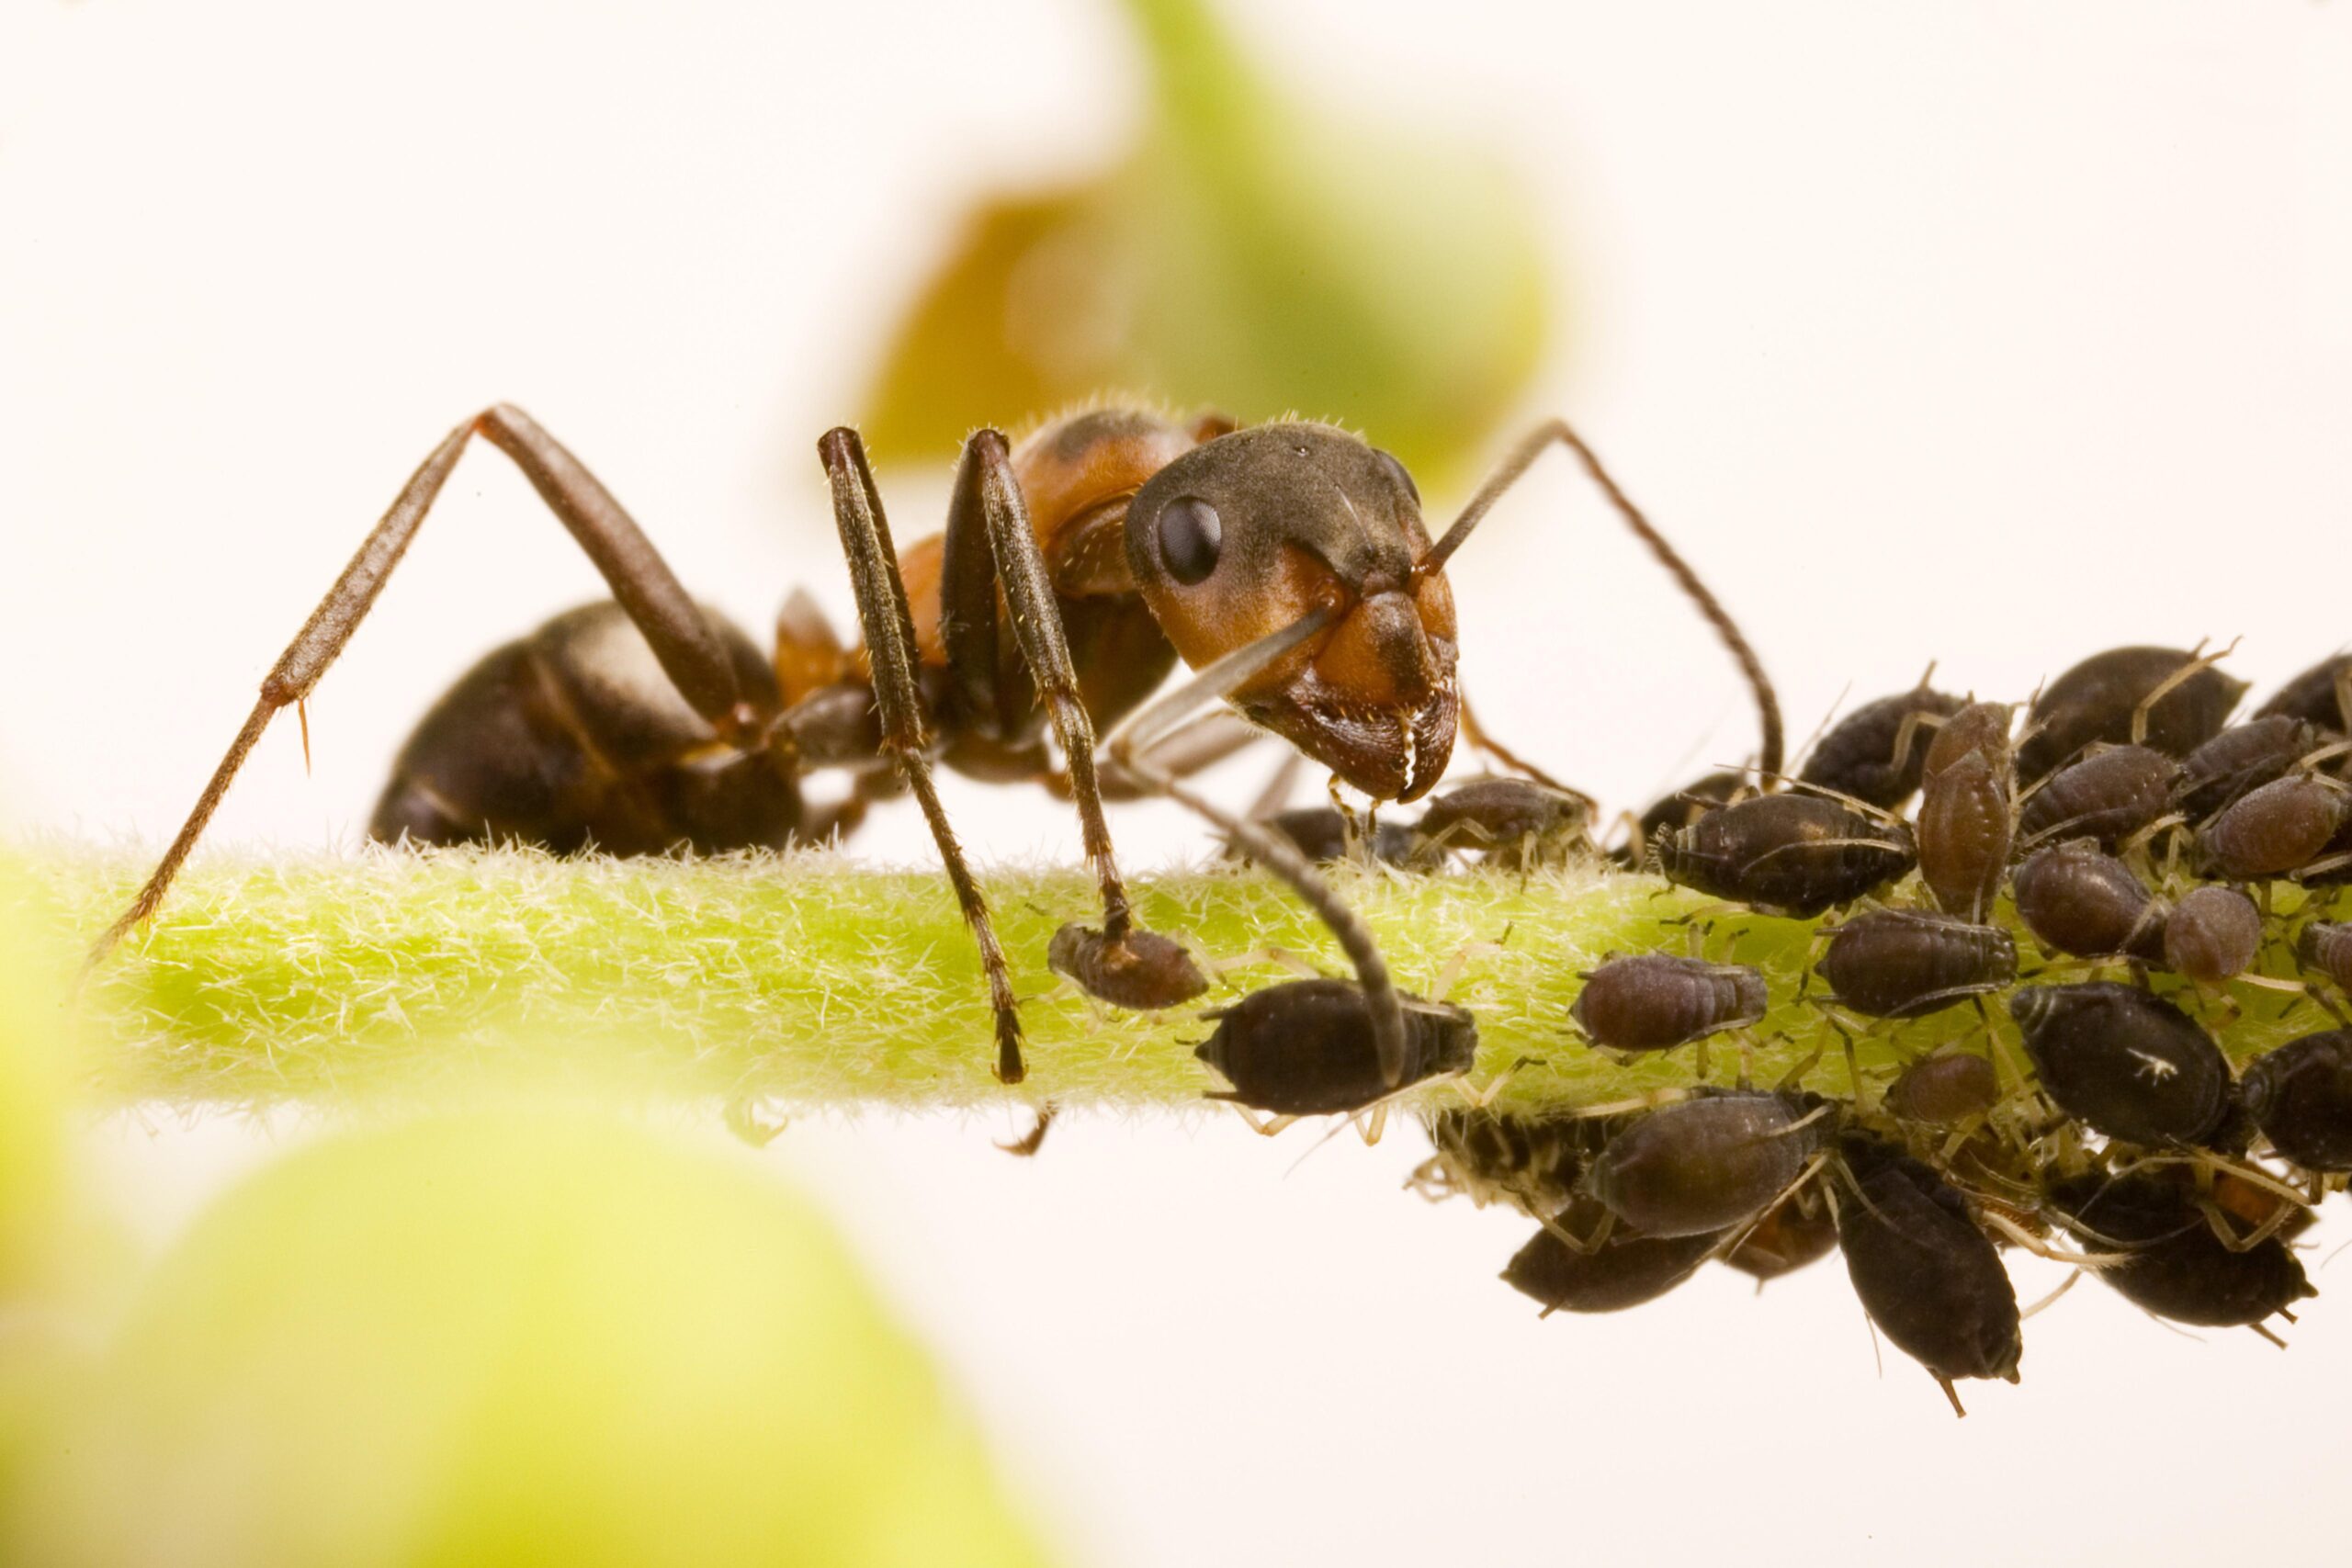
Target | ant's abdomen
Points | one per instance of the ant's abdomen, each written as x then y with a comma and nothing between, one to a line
573,738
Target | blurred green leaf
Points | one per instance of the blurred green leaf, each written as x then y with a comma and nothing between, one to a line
515,1336
1251,254
32,1082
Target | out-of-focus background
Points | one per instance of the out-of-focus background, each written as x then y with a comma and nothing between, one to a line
1991,334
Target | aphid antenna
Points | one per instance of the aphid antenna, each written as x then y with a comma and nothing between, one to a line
1852,803
1797,760
2050,1300
2199,660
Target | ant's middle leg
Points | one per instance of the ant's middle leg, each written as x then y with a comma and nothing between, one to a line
690,652
889,630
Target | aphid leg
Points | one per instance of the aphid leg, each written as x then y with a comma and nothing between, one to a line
890,645
2199,660
1029,1142
1516,464
689,650
2052,1299
990,544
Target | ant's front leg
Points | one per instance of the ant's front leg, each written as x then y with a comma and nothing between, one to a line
990,543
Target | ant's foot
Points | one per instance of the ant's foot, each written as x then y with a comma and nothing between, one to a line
1141,970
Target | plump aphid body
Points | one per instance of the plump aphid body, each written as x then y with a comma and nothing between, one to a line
1877,752
1787,1238
2213,934
2127,1063
1704,1164
1908,963
1939,1091
2095,701
2242,758
2316,696
2107,796
2283,827
2081,901
1144,971
1964,826
1655,1001
1673,812
1623,1270
573,736
1787,854
1305,1048
1924,1272
1531,1163
2300,1097
1515,822
2175,1266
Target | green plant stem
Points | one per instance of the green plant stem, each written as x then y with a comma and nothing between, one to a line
818,981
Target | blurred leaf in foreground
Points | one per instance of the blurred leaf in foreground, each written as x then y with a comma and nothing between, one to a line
1253,253
526,1337
32,1083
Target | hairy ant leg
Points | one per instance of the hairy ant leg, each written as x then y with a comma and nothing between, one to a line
691,653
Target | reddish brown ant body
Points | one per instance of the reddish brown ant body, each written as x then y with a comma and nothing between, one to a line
1287,562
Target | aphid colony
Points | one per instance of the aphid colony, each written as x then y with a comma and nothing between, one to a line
2138,838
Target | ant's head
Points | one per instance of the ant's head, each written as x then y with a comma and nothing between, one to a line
1247,534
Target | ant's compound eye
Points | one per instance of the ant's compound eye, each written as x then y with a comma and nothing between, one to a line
1188,536
1404,481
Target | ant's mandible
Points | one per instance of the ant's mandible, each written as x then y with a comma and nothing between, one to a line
1287,563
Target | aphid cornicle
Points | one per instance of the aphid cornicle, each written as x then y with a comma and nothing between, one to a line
2107,796
1705,1164
1622,1269
1876,753
1909,962
2123,1062
2213,934
1964,826
2242,758
2283,827
1924,1272
1786,854
2173,1263
1287,561
2081,901
1306,1047
2097,699
2299,1096
1655,1001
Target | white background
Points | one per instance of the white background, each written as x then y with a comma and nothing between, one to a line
1991,334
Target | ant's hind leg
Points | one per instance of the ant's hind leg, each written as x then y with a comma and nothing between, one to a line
690,652
889,647
1119,964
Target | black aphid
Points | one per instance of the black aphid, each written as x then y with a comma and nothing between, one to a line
1876,753
2242,758
2174,1265
1939,1091
2283,827
2125,1063
1787,854
1532,1162
2096,699
2108,796
1654,1001
2327,946
2300,1097
1623,1270
1924,1272
1706,1164
1321,834
1673,812
1306,1047
2321,695
1141,970
2079,900
1908,963
2214,933
1515,822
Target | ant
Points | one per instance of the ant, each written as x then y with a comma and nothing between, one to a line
1287,561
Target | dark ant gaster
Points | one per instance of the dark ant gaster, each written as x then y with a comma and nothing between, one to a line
1288,559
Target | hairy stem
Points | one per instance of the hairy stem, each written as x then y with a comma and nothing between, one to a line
817,981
